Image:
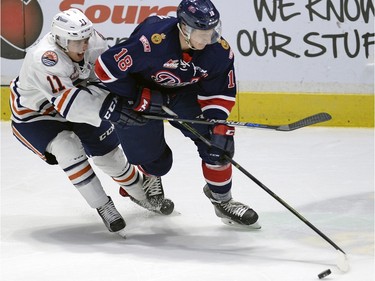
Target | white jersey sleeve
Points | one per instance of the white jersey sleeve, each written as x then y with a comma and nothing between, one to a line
49,85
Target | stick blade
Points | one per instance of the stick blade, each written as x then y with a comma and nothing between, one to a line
342,262
311,120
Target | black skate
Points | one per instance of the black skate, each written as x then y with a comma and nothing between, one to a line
155,202
112,218
233,213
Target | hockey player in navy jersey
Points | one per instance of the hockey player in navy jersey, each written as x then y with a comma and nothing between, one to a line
55,102
182,64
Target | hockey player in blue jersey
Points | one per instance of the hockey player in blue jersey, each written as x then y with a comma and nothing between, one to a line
185,65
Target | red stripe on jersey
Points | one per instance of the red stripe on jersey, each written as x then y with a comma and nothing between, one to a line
216,102
100,71
218,175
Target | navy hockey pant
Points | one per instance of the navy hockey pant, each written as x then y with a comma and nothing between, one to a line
97,141
146,146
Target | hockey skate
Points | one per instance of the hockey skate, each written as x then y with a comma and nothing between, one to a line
112,218
233,213
154,192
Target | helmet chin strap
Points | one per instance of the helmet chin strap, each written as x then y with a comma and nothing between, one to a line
85,70
186,37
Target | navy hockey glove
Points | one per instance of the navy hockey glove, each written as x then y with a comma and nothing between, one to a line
114,109
150,101
222,144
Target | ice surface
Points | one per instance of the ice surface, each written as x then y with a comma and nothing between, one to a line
49,233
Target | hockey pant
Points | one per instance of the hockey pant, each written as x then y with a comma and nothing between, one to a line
146,146
68,145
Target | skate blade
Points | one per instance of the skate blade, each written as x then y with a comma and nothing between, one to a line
254,226
122,233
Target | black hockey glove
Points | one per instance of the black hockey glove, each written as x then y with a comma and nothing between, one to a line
116,110
150,101
222,144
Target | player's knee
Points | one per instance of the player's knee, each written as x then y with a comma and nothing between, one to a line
67,148
161,166
112,163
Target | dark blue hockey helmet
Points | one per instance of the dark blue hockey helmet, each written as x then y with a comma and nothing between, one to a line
200,20
198,14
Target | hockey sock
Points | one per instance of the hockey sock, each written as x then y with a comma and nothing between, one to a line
126,175
93,193
219,180
71,157
84,179
135,189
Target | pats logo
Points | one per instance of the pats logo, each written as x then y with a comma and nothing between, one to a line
156,38
21,25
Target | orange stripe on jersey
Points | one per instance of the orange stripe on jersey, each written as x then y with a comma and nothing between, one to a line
15,108
80,173
48,110
27,144
62,100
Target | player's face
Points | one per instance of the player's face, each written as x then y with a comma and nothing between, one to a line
200,38
77,49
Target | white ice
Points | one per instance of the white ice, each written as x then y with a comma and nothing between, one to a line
49,233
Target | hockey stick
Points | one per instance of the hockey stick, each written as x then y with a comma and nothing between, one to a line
310,120
342,260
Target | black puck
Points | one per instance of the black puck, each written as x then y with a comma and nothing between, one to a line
324,273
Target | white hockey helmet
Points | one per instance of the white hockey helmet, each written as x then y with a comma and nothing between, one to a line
72,25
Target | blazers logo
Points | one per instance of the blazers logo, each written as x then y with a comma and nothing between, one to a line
49,58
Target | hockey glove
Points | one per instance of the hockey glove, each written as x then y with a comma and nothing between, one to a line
222,144
115,110
150,101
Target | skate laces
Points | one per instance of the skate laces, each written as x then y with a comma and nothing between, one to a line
152,186
234,208
108,212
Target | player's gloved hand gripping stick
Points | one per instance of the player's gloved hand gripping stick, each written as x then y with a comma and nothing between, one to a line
222,144
115,110
124,112
150,101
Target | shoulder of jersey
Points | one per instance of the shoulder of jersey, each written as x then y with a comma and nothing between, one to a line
224,44
47,54
97,40
97,45
155,32
222,49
